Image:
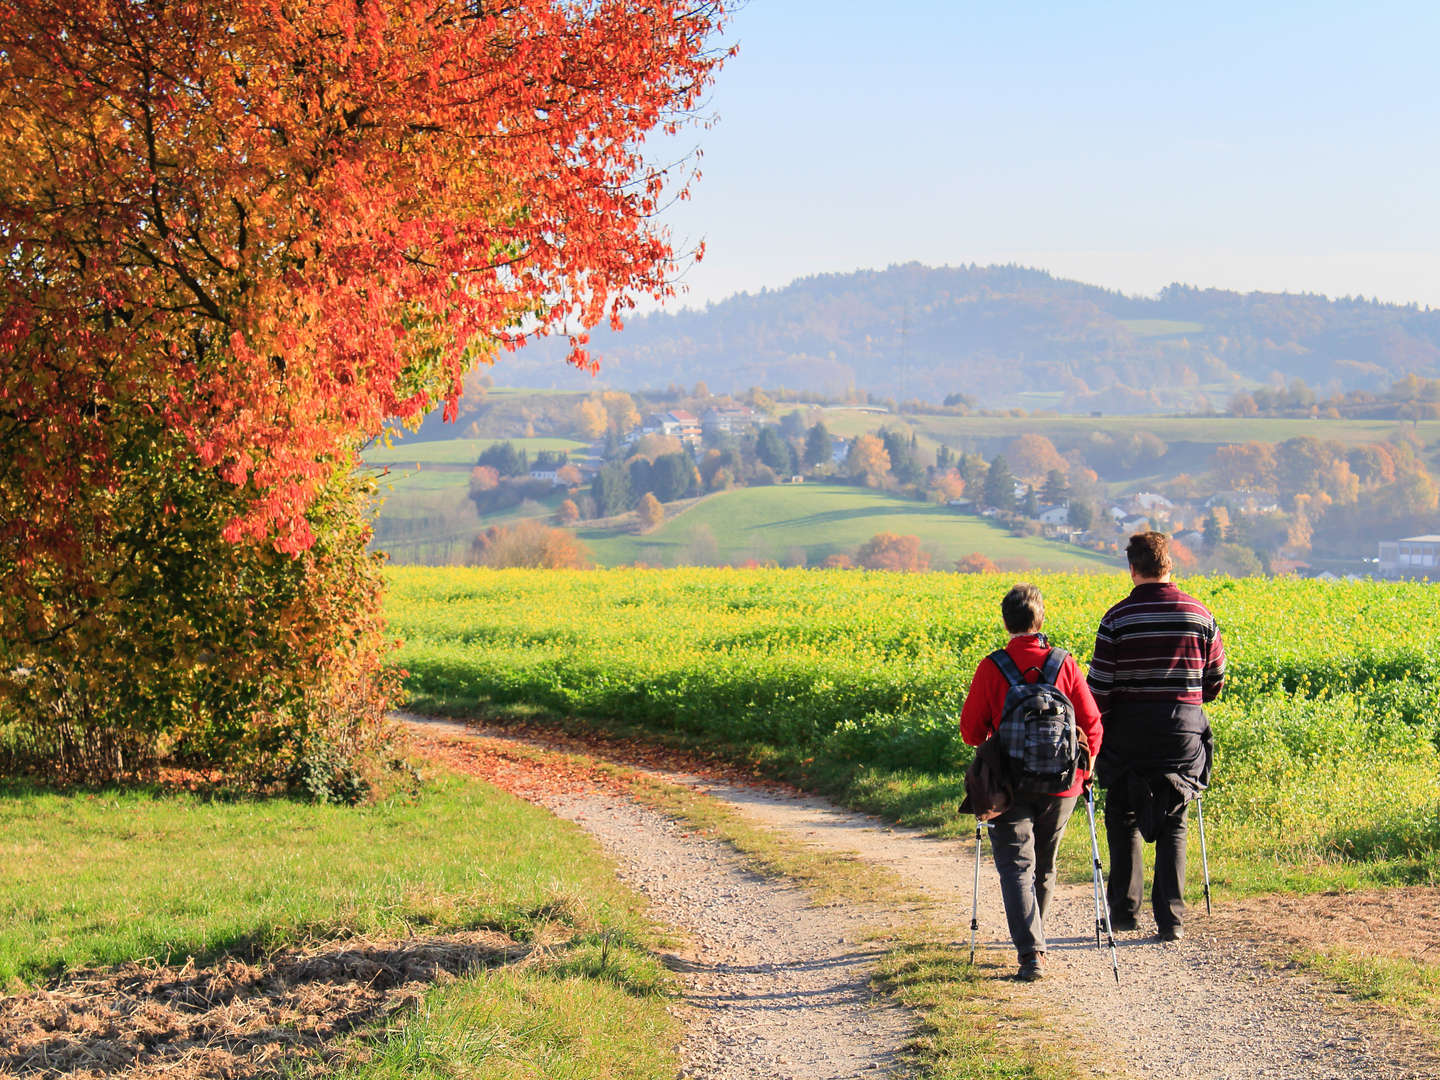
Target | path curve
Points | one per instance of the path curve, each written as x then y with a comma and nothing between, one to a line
1208,1008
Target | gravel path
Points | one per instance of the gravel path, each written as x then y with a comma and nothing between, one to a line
1203,1008
773,986
776,983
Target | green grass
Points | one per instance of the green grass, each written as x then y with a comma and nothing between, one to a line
1410,989
100,878
459,451
973,1027
773,523
594,1011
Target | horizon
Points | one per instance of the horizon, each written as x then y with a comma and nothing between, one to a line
1117,144
1151,295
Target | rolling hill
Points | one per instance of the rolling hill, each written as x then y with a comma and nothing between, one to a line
802,524
1006,336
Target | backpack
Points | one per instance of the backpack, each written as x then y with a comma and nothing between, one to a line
1037,728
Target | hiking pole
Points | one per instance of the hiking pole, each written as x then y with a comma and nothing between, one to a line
1102,907
1204,856
975,892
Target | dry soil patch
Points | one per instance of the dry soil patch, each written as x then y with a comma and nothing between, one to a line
233,1019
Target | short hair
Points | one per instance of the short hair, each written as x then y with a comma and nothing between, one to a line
1023,608
1149,554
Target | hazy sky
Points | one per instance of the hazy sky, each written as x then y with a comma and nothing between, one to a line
1240,145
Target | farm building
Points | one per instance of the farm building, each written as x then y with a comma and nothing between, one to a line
1412,555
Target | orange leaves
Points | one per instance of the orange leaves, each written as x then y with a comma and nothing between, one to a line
302,220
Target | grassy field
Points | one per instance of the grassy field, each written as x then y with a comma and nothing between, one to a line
97,879
425,515
104,877
458,451
1196,430
1328,735
816,520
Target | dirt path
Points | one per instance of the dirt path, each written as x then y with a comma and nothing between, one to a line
1208,1007
774,987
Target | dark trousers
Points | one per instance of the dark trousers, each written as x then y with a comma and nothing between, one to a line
1023,841
1126,886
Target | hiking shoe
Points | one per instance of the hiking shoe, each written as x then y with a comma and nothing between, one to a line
1032,967
1121,925
1171,933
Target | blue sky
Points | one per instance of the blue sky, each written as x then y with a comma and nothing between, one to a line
1249,146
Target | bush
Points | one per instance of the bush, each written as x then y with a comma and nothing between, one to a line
887,551
233,656
531,544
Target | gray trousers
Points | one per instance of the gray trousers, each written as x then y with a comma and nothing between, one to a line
1023,841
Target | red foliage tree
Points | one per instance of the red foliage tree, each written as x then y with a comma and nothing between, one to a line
240,236
276,226
887,551
976,563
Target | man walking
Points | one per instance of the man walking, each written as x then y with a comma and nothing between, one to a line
1025,837
1158,659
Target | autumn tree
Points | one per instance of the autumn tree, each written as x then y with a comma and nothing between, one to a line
1032,456
868,462
1245,466
887,551
620,411
976,563
483,479
567,513
592,418
238,239
650,511
947,485
530,544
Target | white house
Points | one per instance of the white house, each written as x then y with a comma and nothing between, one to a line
1054,515
728,420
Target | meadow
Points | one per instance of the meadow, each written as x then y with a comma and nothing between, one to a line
404,453
808,522
99,878
1328,734
425,515
1194,431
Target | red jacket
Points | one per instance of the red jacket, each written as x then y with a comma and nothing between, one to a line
981,713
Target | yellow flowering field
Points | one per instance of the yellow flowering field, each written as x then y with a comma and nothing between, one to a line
1326,735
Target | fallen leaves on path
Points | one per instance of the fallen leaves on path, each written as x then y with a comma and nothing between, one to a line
532,762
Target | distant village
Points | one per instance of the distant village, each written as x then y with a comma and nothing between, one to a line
1256,509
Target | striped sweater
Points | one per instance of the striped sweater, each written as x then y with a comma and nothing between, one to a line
1157,645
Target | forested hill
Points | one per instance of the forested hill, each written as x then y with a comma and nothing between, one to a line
1005,335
